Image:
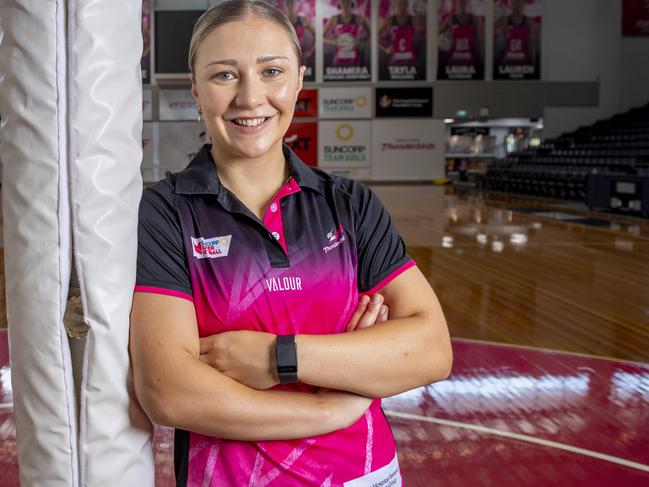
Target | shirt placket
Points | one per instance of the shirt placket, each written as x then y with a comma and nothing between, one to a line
273,217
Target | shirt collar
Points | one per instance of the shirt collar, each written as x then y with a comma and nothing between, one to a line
200,176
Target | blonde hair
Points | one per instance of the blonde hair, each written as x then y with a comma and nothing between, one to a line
231,11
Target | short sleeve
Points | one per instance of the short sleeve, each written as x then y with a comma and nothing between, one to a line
161,263
382,254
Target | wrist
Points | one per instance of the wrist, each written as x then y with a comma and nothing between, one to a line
286,359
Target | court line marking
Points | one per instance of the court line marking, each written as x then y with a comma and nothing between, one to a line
521,437
552,350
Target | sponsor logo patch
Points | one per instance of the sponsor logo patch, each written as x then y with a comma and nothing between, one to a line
335,237
211,248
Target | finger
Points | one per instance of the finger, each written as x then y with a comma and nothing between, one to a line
360,310
383,314
204,358
372,312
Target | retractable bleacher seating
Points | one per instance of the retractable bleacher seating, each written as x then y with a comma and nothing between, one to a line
596,156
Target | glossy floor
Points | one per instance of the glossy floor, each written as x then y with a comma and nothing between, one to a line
507,416
543,279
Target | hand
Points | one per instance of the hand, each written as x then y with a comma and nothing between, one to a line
368,312
245,356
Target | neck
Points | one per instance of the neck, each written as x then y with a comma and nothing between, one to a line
253,180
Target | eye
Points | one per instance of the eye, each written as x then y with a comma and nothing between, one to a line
224,76
272,72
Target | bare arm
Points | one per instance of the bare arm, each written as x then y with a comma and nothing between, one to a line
409,350
176,389
327,28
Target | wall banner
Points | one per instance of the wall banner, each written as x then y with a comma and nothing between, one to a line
517,39
178,144
408,150
176,104
145,62
302,137
461,51
404,102
344,144
345,102
306,105
346,39
146,169
402,40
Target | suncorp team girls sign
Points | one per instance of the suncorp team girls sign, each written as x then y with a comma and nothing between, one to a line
345,102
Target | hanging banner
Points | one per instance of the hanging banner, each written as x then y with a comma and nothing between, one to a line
346,40
306,105
635,18
302,137
461,39
147,105
517,39
302,16
145,62
402,40
344,144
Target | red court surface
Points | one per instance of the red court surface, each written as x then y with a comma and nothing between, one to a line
506,416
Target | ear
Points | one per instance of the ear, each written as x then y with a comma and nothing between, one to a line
300,78
194,89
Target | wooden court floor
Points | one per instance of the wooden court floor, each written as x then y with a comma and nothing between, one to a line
530,272
526,271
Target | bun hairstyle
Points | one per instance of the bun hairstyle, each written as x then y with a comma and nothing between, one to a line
232,11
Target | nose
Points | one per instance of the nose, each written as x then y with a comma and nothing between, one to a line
250,92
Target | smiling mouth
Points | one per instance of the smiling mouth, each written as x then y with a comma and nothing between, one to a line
249,122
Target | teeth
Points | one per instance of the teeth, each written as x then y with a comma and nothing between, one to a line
249,122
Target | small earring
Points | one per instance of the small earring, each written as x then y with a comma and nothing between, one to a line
200,114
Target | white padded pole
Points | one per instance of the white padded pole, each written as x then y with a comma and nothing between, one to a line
37,237
106,142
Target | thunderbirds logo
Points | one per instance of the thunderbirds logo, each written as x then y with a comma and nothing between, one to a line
211,248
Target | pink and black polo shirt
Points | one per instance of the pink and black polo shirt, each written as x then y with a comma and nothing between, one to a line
323,241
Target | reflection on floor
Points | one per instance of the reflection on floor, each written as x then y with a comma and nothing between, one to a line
507,416
529,277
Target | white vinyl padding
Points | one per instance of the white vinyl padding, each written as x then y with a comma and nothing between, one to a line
106,139
36,237
70,100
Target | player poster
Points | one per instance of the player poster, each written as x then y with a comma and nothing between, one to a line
402,39
145,63
517,39
346,40
635,18
302,16
461,51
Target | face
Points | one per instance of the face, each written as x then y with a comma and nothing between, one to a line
517,6
345,5
402,6
246,81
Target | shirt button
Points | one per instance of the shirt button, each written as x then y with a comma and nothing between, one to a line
273,207
276,235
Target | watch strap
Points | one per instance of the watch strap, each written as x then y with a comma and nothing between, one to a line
286,358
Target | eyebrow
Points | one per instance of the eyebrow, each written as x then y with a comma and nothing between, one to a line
233,62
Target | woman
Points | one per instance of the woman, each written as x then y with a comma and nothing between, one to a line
344,32
397,35
250,268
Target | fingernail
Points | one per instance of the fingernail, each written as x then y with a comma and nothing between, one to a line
376,299
365,299
384,309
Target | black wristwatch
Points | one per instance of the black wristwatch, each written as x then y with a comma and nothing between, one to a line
286,357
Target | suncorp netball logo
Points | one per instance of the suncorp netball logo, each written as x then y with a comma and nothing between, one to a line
211,248
344,132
